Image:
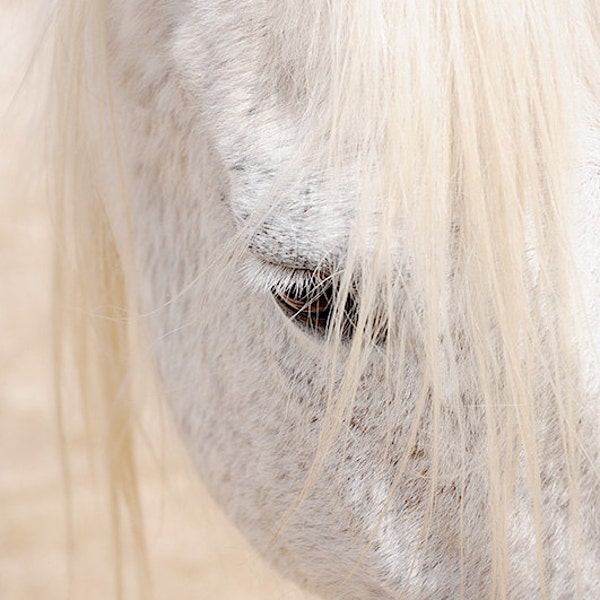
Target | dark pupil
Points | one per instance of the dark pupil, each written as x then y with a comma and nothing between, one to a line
312,306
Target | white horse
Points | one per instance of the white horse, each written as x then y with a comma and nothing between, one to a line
363,239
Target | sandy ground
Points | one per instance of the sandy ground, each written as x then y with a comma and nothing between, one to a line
194,552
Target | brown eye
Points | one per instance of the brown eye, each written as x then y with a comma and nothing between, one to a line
312,305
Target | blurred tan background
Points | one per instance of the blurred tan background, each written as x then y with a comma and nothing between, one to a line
194,552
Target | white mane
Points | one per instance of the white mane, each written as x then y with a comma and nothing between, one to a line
417,185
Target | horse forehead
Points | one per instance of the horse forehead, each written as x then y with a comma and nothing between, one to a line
294,211
228,57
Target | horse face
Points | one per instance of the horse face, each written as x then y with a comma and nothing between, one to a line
248,388
214,108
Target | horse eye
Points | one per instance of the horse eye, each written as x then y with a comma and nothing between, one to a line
312,306
308,306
